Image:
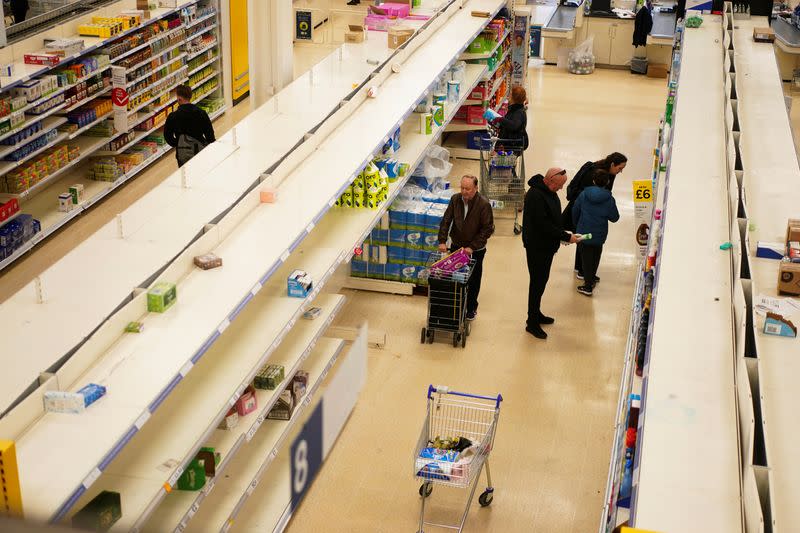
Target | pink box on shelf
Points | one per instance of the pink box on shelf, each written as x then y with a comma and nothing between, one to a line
268,195
247,402
377,22
475,115
394,9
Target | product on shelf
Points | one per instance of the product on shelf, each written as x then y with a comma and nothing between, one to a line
65,204
49,60
63,47
134,327
284,406
269,377
312,313
247,402
230,421
299,284
268,195
208,261
8,209
209,458
161,297
193,477
73,402
778,325
9,481
300,383
76,193
99,514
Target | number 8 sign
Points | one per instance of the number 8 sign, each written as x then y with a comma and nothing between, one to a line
306,456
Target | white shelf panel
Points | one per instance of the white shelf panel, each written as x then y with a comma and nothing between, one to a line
248,465
209,303
689,418
202,400
150,73
24,72
270,133
772,192
50,123
486,55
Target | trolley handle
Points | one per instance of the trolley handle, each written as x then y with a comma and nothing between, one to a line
446,390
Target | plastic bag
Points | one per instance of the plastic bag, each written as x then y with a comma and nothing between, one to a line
437,162
581,59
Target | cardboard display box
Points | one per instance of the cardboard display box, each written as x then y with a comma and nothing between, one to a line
398,36
789,278
763,35
356,34
657,70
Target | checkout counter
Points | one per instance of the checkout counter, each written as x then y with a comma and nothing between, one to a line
787,47
568,26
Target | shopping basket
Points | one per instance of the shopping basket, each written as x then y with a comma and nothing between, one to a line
502,177
467,422
447,302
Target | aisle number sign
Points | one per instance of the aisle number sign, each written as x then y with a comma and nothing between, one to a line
306,455
642,213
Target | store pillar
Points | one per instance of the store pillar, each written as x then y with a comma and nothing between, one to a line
271,49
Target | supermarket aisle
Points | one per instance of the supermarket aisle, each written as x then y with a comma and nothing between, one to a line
551,455
22,271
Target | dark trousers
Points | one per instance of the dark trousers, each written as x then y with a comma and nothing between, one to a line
539,264
474,287
590,256
578,260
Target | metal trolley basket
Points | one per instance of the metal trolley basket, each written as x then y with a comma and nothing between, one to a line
457,414
447,302
503,175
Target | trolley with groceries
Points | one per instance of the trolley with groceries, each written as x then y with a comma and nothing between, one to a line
448,278
454,446
503,175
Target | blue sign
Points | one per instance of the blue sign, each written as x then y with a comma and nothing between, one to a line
302,25
306,456
536,41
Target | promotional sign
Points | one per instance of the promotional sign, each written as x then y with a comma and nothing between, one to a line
120,97
302,25
520,46
306,456
536,41
642,212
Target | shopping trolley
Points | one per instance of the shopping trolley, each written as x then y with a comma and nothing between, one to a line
447,302
469,421
503,175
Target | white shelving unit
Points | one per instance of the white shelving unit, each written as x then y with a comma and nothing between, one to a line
688,419
47,211
771,186
210,301
264,138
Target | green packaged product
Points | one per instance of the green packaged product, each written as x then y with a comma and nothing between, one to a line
134,327
209,458
194,477
99,514
161,297
269,377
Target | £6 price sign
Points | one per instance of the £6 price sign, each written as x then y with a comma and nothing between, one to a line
642,213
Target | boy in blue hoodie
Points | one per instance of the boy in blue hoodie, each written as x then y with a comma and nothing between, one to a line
593,210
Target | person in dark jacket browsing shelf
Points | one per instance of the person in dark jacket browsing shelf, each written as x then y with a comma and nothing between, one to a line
188,129
542,233
513,127
469,222
593,210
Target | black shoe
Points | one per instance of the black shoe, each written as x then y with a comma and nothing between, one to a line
546,320
585,290
578,275
536,331
354,2
471,315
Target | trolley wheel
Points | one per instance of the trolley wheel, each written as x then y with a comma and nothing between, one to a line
425,490
456,339
486,498
431,333
463,341
517,229
468,329
423,336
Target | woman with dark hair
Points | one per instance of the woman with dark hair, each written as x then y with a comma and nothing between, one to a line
613,163
513,127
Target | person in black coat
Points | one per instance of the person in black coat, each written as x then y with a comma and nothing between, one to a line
19,8
542,234
513,127
643,24
188,129
614,163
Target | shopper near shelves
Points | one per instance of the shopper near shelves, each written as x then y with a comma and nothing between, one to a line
593,210
188,128
469,222
19,8
614,163
513,127
542,234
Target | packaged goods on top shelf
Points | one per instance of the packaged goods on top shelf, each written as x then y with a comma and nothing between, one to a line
149,33
85,89
15,233
106,27
63,47
32,172
193,13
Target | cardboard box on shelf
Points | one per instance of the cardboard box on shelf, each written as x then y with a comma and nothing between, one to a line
657,70
230,421
356,33
283,408
793,230
398,36
763,35
789,278
247,402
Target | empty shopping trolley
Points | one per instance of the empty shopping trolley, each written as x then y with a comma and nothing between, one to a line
447,301
454,446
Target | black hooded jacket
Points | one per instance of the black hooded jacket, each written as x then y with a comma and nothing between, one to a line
642,26
513,128
542,228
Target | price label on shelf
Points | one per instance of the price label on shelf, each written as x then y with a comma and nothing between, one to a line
642,213
642,191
